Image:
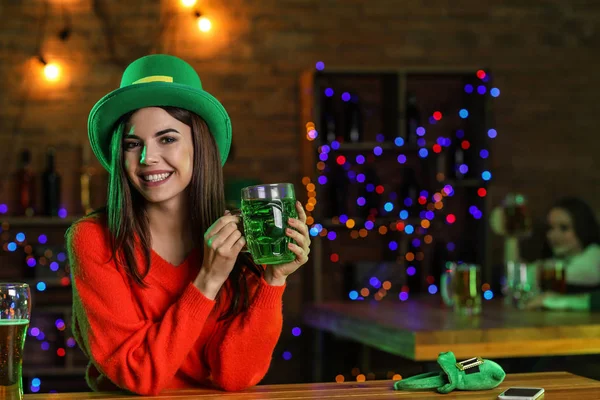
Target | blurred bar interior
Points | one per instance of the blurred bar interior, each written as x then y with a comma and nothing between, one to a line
420,136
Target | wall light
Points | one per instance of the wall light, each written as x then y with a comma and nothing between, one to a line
51,70
204,24
188,3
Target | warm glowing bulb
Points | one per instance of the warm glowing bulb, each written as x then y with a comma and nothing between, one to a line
188,3
204,24
51,71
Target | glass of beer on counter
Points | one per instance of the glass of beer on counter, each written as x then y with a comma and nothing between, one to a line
461,288
522,283
15,311
552,276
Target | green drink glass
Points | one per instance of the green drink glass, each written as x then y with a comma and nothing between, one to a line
15,310
265,213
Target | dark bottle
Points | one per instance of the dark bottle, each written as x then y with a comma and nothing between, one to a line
51,185
85,180
456,158
353,120
329,123
338,191
413,119
26,184
372,198
459,163
349,282
409,191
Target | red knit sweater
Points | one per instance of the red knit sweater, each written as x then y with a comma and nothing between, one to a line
167,335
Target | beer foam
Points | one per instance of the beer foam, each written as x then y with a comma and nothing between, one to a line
14,321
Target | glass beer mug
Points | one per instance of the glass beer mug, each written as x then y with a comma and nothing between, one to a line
461,288
265,213
15,310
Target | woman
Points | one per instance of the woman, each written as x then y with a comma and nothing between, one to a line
573,236
162,296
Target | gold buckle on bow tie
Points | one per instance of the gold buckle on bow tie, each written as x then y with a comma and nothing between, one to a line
470,363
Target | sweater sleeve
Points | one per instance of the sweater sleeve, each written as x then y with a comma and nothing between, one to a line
138,355
239,353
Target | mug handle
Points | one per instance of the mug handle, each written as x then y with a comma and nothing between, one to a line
445,288
238,213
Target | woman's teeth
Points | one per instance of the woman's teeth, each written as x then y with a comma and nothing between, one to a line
157,177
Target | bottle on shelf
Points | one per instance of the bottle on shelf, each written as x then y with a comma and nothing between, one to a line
456,158
349,282
329,120
85,180
441,165
26,185
51,182
353,120
372,205
338,191
413,119
409,191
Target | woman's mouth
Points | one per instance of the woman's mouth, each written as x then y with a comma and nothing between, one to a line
156,179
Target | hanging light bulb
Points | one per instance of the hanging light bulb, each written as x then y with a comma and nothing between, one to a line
204,24
51,72
188,3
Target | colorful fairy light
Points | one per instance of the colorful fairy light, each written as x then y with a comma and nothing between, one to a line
425,207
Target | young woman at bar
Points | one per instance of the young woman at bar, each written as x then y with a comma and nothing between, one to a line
573,235
162,296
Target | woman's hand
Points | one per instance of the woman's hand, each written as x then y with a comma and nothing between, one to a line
223,241
560,302
276,275
538,301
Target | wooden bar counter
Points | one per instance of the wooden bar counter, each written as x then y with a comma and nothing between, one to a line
558,385
420,329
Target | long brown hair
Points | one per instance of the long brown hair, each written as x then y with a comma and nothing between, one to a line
126,214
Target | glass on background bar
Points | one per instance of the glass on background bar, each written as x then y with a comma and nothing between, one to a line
15,313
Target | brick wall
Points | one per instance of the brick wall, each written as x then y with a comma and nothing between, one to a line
544,56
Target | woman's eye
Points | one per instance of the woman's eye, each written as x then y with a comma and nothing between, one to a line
167,140
131,145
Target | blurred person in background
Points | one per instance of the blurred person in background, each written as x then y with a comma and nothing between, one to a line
573,236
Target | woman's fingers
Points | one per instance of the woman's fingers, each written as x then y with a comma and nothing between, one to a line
220,224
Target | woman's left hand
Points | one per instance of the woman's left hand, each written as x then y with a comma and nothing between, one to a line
561,302
276,275
537,302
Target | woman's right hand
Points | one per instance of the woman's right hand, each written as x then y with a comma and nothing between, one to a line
223,241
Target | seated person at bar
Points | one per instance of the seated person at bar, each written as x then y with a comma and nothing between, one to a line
573,235
163,297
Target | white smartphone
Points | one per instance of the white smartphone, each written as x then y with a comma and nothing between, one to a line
521,393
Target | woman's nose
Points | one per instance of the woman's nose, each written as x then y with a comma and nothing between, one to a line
148,157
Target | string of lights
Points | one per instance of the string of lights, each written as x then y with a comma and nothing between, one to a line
431,204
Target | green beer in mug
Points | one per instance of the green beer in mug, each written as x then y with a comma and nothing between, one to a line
265,213
15,309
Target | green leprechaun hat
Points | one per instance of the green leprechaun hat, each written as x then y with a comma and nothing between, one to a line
153,81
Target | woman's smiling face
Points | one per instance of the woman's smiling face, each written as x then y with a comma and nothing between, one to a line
158,154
